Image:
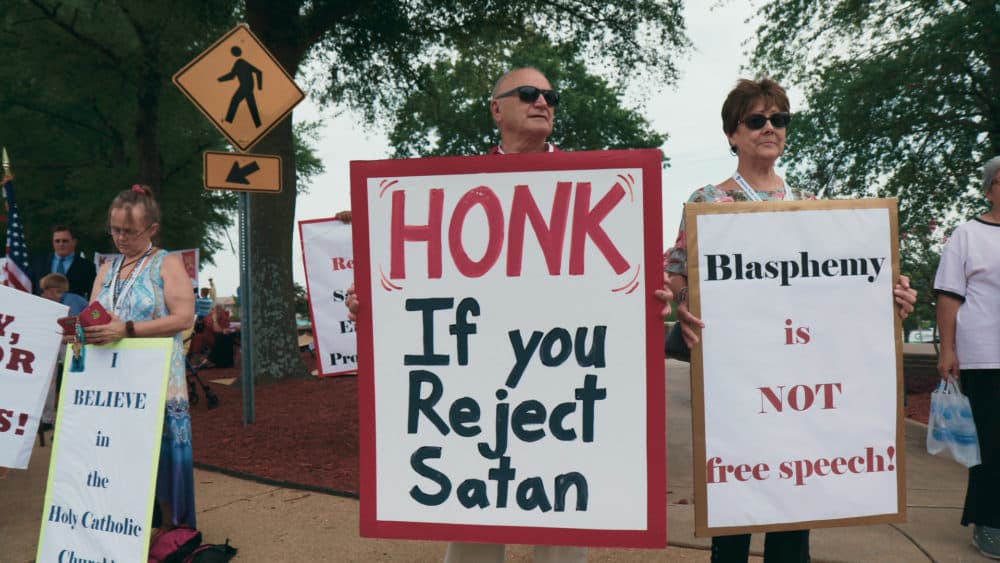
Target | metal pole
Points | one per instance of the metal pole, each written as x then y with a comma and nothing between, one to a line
246,308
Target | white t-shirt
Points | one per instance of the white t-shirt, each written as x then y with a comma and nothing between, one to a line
970,268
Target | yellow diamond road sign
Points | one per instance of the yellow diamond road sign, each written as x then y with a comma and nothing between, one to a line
240,87
242,172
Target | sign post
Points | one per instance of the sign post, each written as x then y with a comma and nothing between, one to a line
245,92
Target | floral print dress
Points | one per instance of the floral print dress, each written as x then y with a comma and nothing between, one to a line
175,476
675,259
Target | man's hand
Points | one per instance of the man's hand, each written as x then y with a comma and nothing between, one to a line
665,296
352,303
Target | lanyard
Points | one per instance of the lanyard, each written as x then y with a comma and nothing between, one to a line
117,294
752,194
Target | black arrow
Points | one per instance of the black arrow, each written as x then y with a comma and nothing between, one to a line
239,175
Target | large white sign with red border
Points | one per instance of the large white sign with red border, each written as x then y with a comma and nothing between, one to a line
328,257
510,348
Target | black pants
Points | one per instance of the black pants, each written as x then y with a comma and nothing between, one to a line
982,499
779,547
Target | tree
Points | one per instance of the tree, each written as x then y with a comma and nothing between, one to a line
87,109
902,100
370,53
449,113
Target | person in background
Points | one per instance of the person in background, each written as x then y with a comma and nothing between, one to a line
65,260
148,293
968,316
203,304
755,119
55,287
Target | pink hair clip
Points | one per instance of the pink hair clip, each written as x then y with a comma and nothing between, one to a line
140,189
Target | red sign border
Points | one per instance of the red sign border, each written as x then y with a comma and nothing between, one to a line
650,161
312,311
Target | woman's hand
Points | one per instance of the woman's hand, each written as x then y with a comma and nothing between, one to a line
948,364
690,325
107,333
665,296
352,303
905,296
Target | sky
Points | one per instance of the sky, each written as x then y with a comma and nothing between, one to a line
689,112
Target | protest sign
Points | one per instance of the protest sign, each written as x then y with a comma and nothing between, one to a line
29,345
510,348
797,385
328,257
102,476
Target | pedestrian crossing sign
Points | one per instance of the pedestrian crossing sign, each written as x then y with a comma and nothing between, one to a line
240,87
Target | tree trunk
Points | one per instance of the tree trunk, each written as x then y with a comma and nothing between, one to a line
272,217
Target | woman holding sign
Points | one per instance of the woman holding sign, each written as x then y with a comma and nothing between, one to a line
755,119
148,293
968,302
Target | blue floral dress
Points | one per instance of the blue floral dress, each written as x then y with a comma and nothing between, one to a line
675,258
175,477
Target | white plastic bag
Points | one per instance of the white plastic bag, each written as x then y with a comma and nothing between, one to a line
951,430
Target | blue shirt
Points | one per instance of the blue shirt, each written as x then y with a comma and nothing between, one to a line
55,264
202,306
75,302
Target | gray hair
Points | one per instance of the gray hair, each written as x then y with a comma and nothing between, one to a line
496,86
989,172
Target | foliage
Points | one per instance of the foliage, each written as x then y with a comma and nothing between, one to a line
903,100
307,164
449,113
372,53
87,109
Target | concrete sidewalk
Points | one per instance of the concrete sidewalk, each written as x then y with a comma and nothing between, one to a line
268,523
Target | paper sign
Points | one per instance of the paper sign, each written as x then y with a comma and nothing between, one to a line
102,476
29,345
510,348
328,257
797,386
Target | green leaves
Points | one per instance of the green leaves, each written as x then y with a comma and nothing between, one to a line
449,113
902,100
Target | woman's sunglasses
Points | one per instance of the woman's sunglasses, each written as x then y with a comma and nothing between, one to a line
756,121
529,94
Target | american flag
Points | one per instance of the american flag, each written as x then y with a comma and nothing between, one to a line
16,265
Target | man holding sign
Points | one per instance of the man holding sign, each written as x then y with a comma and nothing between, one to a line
523,107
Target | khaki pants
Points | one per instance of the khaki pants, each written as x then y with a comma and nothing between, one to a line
494,553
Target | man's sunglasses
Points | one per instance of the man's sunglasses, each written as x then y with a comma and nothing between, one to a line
529,94
756,121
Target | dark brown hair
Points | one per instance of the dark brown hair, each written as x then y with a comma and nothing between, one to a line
744,95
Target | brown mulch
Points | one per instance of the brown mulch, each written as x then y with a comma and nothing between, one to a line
306,430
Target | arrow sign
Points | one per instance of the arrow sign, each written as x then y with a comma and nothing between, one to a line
238,175
242,172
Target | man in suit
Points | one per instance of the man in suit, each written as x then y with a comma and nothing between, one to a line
67,261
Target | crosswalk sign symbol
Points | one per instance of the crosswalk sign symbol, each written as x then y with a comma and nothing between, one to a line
240,87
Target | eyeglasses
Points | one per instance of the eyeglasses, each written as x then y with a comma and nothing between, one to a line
125,234
528,94
756,121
